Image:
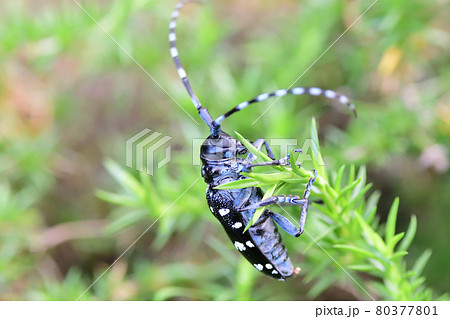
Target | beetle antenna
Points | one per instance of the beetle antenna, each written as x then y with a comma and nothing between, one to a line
314,91
202,111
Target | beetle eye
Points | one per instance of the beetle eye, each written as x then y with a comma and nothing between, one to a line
243,151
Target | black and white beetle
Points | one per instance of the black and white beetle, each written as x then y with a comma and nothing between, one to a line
261,245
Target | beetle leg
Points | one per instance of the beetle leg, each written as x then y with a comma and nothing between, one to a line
305,206
285,161
281,220
258,145
282,199
282,161
243,196
269,150
289,200
286,224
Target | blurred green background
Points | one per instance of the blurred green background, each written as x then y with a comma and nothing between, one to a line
70,98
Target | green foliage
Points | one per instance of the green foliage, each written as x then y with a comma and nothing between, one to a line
24,180
145,198
353,236
68,289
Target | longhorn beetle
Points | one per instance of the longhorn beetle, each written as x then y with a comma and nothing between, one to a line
261,245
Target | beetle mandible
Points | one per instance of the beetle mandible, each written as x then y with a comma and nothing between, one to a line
262,244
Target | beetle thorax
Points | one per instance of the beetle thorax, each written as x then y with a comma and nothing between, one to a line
219,155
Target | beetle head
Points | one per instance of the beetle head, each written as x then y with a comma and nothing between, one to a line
221,147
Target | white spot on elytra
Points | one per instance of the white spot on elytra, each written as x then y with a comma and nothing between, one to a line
274,272
237,225
223,211
239,246
298,91
258,266
330,94
249,244
315,91
269,266
212,209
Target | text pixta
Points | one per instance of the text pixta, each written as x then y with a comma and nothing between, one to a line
337,311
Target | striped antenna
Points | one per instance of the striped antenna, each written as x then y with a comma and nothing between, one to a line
203,112
314,91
